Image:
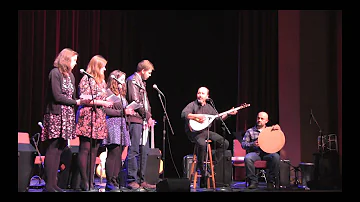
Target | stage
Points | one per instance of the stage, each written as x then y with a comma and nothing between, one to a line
37,185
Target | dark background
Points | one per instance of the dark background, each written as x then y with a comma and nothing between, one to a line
235,53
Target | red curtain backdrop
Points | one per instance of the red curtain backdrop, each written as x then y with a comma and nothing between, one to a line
237,54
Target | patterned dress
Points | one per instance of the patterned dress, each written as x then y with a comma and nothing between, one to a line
118,132
61,125
98,120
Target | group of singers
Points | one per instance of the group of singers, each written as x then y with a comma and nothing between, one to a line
97,121
100,120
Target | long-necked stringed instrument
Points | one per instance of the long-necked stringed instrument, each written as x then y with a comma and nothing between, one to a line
197,126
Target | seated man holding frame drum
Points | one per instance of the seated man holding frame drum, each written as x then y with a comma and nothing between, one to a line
263,143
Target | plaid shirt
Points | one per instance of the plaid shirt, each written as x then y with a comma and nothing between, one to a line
247,142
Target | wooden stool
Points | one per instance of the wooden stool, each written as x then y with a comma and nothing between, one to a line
193,172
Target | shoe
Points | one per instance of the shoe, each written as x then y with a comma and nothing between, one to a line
146,185
48,189
253,185
133,185
58,189
111,187
53,189
85,188
270,186
203,179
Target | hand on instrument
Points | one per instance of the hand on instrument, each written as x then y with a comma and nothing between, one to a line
233,112
200,119
276,127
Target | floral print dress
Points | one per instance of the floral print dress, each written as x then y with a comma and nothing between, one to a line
91,123
61,125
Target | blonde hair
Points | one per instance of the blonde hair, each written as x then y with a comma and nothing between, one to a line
63,59
96,63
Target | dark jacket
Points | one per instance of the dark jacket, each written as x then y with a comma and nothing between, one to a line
194,107
54,97
117,110
136,88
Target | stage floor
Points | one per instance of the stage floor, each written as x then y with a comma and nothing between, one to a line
37,185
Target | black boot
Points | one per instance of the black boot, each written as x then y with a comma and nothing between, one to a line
112,185
203,181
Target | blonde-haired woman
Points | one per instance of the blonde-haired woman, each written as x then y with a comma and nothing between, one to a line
91,119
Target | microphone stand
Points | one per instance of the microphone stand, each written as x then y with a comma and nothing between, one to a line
91,174
122,135
296,170
321,149
41,159
164,131
223,188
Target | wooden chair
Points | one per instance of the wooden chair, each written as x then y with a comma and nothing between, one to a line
193,171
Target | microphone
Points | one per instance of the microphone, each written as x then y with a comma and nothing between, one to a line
113,76
84,72
159,91
310,115
41,125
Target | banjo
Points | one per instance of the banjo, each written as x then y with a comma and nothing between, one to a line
197,126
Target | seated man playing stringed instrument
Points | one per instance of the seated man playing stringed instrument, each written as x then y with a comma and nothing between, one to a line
263,147
198,116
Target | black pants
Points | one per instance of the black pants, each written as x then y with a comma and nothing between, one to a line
218,144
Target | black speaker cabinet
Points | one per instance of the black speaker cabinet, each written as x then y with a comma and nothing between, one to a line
70,176
187,162
26,158
153,166
284,173
223,168
326,171
173,185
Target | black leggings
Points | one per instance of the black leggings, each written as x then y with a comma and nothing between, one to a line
52,161
113,162
84,160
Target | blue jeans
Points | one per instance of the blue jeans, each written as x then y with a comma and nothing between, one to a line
137,154
273,166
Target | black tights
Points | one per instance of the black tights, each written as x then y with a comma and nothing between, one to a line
113,162
52,161
83,161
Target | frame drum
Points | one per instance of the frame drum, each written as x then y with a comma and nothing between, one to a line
271,141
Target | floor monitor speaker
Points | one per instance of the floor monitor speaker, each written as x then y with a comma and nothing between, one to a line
173,185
